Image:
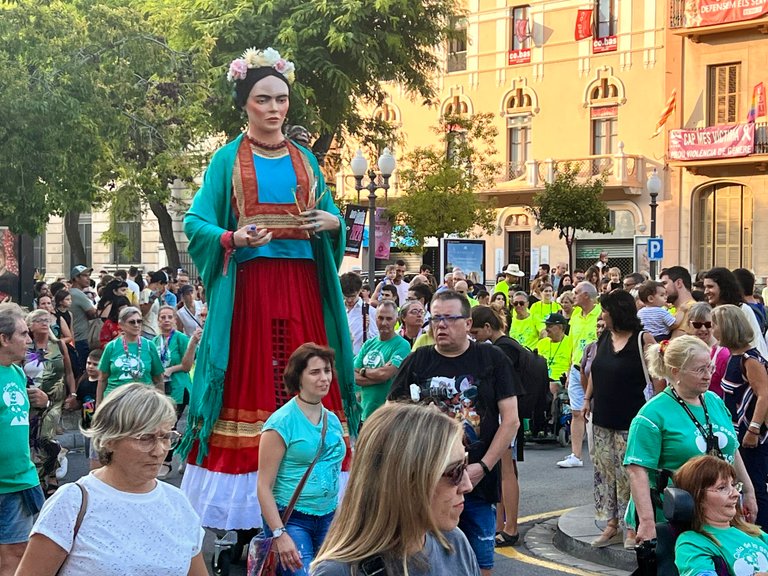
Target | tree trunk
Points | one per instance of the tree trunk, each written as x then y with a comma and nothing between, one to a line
165,225
77,250
571,260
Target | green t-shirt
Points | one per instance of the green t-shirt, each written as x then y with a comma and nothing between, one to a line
17,472
172,356
122,368
501,287
557,355
375,353
744,554
525,331
539,311
583,331
662,436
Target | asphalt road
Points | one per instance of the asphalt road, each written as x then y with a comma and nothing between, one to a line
546,490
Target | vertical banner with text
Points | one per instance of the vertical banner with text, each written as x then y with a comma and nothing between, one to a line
383,234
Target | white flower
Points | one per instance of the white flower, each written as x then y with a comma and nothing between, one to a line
271,56
251,57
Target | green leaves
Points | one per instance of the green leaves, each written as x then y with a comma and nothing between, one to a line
440,182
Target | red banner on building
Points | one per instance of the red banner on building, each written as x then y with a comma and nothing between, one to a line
583,24
522,56
724,141
710,12
521,30
607,44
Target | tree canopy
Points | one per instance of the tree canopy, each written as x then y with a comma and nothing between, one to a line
439,183
569,204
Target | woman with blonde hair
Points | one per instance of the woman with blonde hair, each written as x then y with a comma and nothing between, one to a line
402,505
745,392
129,523
685,420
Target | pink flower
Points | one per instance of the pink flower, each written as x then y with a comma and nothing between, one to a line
238,69
281,66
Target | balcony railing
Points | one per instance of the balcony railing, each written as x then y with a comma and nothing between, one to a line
677,13
457,61
761,138
618,170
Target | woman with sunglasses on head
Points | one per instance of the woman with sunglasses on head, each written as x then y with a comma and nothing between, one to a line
412,320
409,474
683,421
720,539
129,358
745,392
131,523
700,322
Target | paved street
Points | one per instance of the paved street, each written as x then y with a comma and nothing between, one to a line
545,491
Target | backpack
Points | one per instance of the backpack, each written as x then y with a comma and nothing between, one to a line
759,311
533,372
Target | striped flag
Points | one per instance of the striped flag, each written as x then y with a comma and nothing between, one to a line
758,103
669,107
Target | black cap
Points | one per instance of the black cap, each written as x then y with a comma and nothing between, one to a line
186,289
556,318
158,276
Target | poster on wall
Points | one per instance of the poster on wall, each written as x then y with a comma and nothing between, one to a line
354,218
642,263
10,285
469,255
711,12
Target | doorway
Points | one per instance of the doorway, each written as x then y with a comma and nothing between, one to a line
519,252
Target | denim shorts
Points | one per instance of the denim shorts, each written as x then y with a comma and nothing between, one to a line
575,390
307,532
478,522
16,521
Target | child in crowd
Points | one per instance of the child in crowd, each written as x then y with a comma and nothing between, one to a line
656,319
614,274
86,395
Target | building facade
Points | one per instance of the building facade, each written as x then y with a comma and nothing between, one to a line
594,103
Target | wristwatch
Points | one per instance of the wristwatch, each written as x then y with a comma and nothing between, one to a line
362,372
276,533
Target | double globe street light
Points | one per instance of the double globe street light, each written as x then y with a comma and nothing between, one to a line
359,167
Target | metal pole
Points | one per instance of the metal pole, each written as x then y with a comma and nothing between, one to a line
653,232
372,231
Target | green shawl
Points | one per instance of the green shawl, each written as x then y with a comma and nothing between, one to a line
209,217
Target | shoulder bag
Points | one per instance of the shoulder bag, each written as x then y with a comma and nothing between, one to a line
79,519
262,559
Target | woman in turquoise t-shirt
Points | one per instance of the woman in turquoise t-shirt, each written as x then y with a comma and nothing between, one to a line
718,531
290,440
675,425
177,354
129,358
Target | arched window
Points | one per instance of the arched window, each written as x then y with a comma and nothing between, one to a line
387,113
724,237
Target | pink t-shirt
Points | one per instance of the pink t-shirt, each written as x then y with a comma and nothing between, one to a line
720,355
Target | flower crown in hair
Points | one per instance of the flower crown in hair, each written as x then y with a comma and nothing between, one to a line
253,58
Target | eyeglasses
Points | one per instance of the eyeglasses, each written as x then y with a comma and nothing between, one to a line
436,320
707,370
726,489
416,312
456,473
699,325
411,298
519,303
147,442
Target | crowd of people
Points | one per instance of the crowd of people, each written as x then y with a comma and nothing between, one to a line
434,377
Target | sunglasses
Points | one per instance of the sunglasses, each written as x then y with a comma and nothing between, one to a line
456,472
699,325
133,322
518,303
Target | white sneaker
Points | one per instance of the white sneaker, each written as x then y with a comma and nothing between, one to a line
571,462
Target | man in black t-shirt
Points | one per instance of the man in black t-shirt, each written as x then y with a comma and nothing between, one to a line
477,381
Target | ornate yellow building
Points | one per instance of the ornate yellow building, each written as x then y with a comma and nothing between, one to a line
595,102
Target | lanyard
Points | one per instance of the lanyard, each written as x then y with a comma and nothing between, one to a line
138,371
165,354
192,316
693,418
551,359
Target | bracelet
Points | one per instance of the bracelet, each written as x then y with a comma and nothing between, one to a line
485,468
73,394
362,372
753,432
232,240
754,424
48,404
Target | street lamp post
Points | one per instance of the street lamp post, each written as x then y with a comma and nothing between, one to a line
654,188
359,167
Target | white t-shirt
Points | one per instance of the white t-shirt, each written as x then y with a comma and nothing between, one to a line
122,534
149,321
190,322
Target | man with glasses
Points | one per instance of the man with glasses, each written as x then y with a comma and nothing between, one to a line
361,317
83,311
524,328
378,360
632,281
477,381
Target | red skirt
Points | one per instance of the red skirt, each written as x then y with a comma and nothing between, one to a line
277,309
